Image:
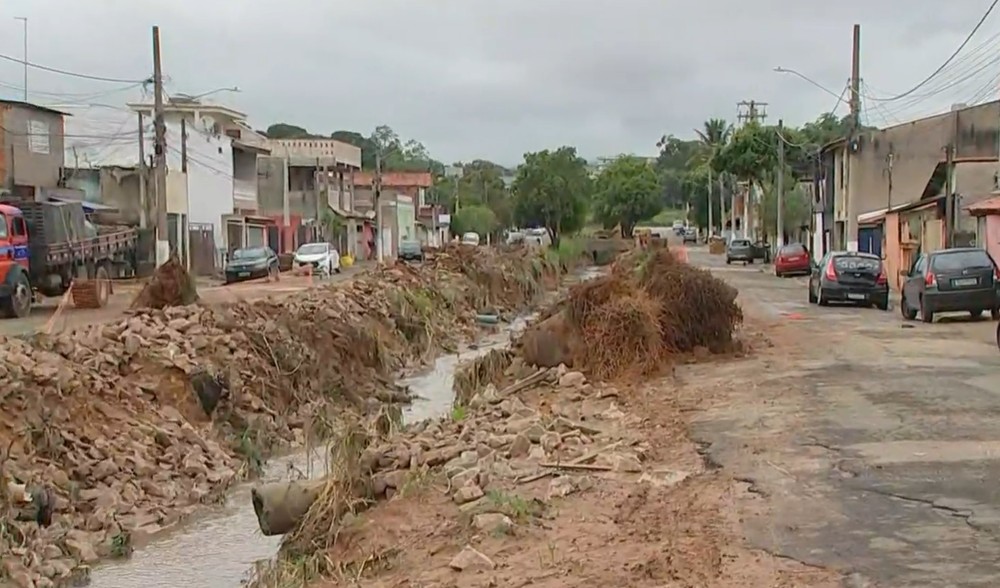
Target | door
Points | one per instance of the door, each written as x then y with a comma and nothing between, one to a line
201,240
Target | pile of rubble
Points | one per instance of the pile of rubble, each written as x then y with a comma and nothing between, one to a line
130,426
482,456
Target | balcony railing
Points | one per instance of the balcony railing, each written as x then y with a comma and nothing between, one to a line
245,194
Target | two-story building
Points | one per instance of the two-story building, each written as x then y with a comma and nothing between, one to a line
305,186
403,197
31,157
211,175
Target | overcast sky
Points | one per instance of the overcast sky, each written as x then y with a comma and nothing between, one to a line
491,79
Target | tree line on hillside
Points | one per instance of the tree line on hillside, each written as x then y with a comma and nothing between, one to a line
555,189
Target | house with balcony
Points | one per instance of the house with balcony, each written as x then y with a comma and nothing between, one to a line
306,188
211,175
403,198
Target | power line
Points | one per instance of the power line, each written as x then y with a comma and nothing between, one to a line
947,61
75,74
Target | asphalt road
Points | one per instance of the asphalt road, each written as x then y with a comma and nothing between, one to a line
867,443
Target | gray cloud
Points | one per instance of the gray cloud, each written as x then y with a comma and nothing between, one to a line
478,78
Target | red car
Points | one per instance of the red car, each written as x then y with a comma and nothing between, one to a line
792,259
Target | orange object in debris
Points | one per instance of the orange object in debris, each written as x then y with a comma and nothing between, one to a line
681,254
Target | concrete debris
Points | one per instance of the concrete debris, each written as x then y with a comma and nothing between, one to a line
131,426
472,560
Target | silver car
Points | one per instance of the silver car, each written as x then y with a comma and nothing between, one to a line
739,250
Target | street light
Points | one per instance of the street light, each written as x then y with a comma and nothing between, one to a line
194,97
809,80
24,19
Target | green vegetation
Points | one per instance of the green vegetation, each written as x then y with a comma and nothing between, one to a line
552,190
626,192
476,218
726,158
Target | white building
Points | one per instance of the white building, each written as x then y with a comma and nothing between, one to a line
211,177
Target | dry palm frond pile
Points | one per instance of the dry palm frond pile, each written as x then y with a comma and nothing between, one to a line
650,306
171,285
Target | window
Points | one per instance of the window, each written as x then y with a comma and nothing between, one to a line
918,268
960,260
3,227
793,249
19,228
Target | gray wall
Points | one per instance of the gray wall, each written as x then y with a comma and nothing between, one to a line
18,164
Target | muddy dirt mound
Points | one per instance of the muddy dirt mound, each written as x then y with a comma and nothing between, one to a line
650,307
170,285
134,424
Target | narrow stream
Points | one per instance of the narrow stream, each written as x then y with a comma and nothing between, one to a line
219,548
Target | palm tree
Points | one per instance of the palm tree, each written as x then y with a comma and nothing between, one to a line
714,133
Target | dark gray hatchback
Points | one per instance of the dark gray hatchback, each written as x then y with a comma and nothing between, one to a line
962,279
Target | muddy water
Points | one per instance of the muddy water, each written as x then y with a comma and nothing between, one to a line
219,549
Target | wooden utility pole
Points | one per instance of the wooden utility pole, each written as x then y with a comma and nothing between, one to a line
160,153
377,196
748,111
143,177
780,187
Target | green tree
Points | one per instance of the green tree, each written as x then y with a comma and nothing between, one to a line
626,192
695,185
751,155
474,219
551,190
671,165
796,207
287,131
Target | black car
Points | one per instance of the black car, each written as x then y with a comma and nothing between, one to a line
849,276
740,250
251,263
951,280
411,251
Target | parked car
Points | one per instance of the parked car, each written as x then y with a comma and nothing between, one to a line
250,263
678,227
849,276
470,239
792,259
964,279
321,256
411,251
690,235
740,250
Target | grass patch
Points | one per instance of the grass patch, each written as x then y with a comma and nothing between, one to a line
514,506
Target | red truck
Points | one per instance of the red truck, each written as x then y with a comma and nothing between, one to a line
48,248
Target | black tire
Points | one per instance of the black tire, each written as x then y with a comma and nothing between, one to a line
998,335
18,304
925,315
976,313
820,299
882,305
751,262
728,261
995,314
906,310
812,295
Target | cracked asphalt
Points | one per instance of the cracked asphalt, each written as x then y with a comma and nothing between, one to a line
869,444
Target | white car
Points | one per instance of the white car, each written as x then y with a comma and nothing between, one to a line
324,258
470,239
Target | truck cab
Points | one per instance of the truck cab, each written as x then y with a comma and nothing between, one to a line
15,285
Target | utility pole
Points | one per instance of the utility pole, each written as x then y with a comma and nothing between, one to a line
160,152
780,186
856,80
184,146
710,222
377,181
949,196
143,197
749,111
24,20
852,216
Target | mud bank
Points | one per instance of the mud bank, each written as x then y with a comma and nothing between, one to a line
124,430
545,476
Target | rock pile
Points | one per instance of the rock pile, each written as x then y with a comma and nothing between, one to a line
133,424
